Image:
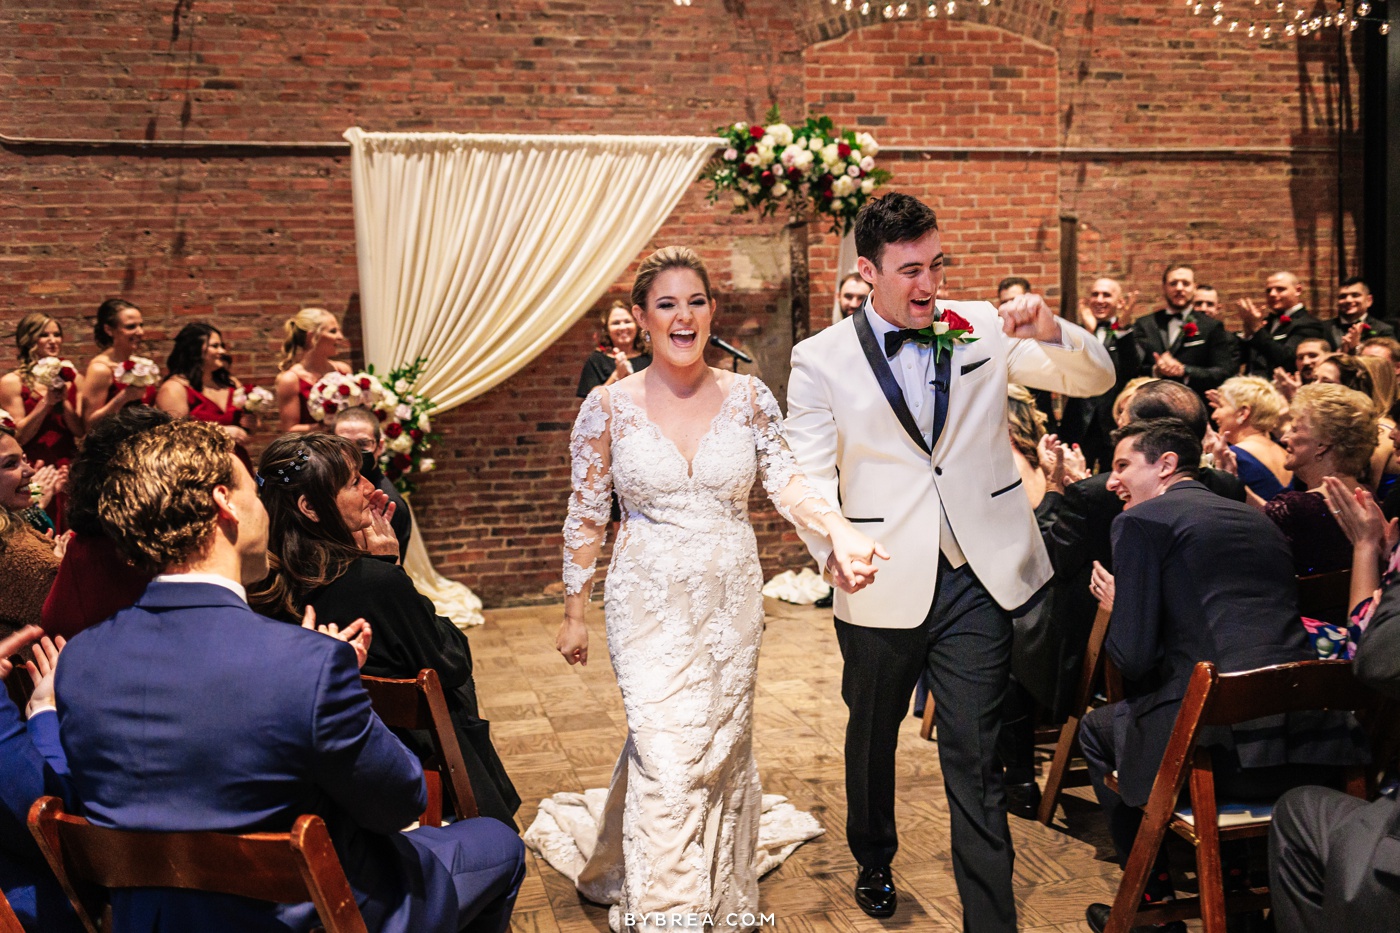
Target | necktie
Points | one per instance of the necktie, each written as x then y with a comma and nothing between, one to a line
896,338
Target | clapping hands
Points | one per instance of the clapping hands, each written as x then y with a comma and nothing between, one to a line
1287,383
1061,463
41,669
1252,316
1360,517
357,634
378,536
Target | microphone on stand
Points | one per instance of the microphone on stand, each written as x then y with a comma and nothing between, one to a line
727,347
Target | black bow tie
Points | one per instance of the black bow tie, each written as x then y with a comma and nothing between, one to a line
896,338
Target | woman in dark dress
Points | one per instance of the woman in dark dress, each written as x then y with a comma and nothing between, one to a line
332,548
1332,433
621,351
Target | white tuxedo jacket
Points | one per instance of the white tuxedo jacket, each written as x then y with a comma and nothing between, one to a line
859,445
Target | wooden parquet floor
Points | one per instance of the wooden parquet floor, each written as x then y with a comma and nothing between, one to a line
559,728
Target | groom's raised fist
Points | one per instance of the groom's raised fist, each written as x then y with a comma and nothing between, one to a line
1030,317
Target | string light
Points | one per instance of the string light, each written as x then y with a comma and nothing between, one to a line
1293,20
1385,29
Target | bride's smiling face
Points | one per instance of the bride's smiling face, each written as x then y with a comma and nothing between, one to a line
677,316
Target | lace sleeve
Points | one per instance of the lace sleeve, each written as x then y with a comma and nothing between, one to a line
783,480
590,501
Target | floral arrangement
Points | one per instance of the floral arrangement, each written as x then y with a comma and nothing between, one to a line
6,422
253,399
46,370
137,372
404,415
814,164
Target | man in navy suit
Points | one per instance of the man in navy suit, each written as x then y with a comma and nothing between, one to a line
1198,577
189,711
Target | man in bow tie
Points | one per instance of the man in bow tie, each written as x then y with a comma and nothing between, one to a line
1176,343
899,414
1089,422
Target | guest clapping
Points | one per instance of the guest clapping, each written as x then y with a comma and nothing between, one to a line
621,351
119,331
45,410
28,559
1248,410
360,427
313,337
333,549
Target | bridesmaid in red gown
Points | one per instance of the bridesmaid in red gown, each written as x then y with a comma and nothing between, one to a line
47,422
119,331
313,338
200,386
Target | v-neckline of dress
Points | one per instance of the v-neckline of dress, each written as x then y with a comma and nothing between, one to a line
700,445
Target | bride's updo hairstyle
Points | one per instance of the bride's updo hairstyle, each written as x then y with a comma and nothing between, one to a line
298,332
664,259
303,553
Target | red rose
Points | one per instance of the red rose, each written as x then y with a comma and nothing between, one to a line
1365,329
756,132
1285,319
342,390
1190,329
400,462
393,429
955,321
379,414
825,182
69,373
843,150
126,366
744,170
416,434
330,407
364,383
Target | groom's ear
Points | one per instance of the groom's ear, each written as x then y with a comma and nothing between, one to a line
867,269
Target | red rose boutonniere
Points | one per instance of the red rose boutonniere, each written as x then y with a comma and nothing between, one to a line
1189,329
1285,319
1366,329
948,331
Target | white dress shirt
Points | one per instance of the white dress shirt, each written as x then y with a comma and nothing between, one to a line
214,578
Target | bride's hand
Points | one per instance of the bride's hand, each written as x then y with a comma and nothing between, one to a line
573,641
852,560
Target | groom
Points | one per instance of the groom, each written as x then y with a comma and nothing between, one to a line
908,432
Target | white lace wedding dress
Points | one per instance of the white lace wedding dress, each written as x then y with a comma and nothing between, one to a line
683,828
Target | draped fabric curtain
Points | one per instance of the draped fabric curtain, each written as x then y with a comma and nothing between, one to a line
478,251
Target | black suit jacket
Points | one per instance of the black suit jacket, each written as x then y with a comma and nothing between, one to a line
1270,348
1336,330
1209,355
1201,578
1088,422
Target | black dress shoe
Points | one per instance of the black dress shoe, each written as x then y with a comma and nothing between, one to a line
1023,800
824,602
875,892
1097,916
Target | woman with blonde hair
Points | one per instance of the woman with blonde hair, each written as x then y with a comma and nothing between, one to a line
1120,404
47,421
622,350
120,331
312,338
1248,410
1332,432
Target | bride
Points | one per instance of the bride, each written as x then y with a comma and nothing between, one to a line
680,444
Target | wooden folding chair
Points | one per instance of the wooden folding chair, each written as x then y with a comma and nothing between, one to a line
285,868
1214,699
1091,672
9,923
1326,596
420,705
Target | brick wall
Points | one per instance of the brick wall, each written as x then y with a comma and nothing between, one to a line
244,238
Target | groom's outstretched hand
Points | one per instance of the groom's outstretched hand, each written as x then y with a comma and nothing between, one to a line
1030,317
851,564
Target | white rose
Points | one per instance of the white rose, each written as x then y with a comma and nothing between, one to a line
403,413
765,153
780,189
740,126
855,155
805,160
867,185
837,205
781,133
867,164
814,144
778,169
853,171
402,386
842,187
768,140
401,444
790,156
940,327
731,154
751,159
831,155
868,144
427,465
424,424
740,200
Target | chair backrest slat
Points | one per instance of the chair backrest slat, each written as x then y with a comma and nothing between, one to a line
420,704
1284,688
9,923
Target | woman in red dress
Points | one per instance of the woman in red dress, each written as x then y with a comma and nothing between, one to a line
313,338
47,422
119,332
200,386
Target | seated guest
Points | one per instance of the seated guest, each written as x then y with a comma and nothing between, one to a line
1311,351
200,386
94,580
1385,466
327,521
1196,577
1248,410
258,722
28,558
1333,859
360,427
1386,348
31,766
1332,432
621,351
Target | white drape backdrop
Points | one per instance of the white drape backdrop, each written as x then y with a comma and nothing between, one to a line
478,251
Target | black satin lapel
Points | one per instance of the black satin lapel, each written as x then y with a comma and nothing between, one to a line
942,389
881,368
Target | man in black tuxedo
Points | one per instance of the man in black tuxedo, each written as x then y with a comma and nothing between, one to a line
1197,578
1353,323
1271,333
1334,860
1177,343
1089,421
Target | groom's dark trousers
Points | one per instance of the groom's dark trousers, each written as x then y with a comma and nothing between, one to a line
965,641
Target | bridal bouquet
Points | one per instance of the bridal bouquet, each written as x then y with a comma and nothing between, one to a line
407,426
813,165
51,367
6,422
253,399
137,372
337,391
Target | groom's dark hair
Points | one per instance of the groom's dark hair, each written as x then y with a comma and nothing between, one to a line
895,218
